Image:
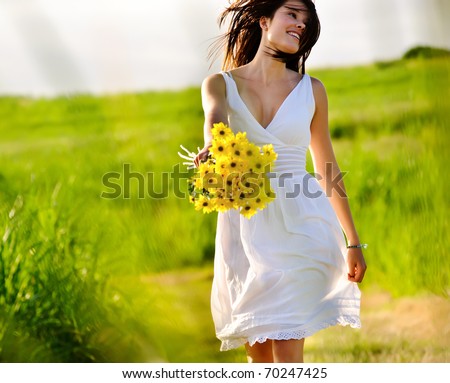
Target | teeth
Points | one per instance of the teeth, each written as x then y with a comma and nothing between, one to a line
296,35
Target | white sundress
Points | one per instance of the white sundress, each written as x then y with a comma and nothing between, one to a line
281,274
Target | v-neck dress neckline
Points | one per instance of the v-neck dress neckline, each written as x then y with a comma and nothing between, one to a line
280,108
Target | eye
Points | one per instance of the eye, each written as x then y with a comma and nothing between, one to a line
293,15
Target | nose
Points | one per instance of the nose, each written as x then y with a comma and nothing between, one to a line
301,25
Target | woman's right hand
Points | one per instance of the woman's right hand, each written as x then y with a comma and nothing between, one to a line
201,156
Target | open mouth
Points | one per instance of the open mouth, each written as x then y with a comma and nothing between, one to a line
294,35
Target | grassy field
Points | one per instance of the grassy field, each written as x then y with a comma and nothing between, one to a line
86,278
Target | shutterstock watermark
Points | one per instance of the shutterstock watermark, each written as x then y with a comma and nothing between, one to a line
129,184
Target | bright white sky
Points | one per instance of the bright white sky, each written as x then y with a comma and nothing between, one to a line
51,47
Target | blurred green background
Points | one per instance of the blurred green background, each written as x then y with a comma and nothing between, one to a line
85,278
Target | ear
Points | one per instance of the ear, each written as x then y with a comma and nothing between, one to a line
263,23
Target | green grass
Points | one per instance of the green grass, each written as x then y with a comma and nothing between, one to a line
73,265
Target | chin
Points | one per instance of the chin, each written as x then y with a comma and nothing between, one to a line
289,50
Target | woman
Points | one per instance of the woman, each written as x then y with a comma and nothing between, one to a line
286,272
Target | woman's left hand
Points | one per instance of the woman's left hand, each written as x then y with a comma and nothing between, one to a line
356,265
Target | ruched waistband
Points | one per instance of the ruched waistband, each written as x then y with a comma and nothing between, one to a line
290,161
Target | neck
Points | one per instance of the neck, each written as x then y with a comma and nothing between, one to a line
266,68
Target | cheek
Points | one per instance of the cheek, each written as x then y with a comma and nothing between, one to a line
276,33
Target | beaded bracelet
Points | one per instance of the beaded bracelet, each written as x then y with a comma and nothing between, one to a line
359,246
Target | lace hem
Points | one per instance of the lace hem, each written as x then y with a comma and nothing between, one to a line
346,320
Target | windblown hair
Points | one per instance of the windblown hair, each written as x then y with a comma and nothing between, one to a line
243,38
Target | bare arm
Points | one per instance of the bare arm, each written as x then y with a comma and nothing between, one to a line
214,108
330,178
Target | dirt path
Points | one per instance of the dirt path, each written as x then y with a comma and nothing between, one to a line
407,329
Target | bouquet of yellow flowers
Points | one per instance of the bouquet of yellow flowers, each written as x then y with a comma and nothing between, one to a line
234,175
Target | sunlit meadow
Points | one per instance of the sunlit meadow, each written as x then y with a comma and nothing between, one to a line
91,278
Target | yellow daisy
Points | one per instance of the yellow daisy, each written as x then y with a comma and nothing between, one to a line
198,183
269,153
257,165
248,210
205,168
241,138
218,148
212,181
251,184
221,166
223,204
205,204
221,131
250,151
259,203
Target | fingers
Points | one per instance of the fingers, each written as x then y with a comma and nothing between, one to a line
356,266
357,274
351,276
197,160
201,157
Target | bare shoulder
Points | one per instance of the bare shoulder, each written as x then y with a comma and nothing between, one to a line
318,87
214,96
320,93
214,85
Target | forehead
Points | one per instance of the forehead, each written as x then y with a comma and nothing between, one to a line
293,5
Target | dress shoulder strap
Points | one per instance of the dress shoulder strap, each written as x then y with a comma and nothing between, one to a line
227,77
228,82
309,92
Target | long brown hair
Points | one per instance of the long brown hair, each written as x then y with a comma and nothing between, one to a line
243,38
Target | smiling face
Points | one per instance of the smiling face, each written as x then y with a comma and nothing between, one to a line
284,30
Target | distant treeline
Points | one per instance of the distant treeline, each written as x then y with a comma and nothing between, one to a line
426,52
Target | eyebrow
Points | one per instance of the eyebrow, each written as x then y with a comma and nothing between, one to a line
292,8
